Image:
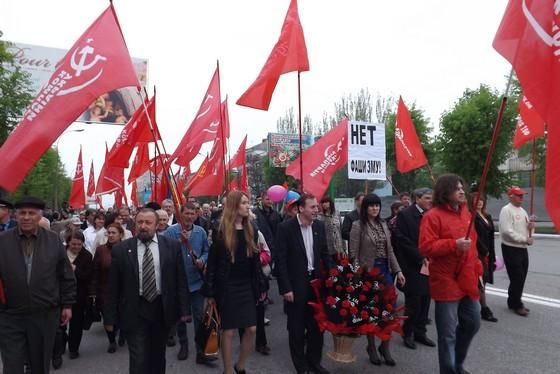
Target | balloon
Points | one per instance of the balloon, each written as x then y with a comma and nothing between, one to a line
276,193
291,196
499,263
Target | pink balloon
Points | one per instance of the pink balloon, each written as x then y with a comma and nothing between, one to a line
276,193
499,263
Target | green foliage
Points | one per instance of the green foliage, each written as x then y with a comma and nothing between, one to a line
273,175
15,92
415,178
526,151
46,180
466,133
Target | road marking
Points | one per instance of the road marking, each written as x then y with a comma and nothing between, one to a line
535,299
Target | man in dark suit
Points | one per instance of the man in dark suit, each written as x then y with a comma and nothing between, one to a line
416,289
147,287
301,246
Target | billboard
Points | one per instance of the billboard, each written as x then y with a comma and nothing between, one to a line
113,107
284,148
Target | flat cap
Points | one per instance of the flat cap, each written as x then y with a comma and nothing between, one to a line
6,204
30,202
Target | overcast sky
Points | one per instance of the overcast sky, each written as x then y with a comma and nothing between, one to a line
427,51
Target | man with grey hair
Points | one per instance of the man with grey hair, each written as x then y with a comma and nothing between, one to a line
413,265
167,205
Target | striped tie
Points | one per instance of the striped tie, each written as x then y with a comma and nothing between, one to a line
149,289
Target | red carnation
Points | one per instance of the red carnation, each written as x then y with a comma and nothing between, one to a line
362,298
354,310
339,288
360,270
374,272
346,304
344,262
333,272
349,289
330,300
343,312
329,283
368,284
350,275
381,286
389,307
364,314
365,288
375,311
376,299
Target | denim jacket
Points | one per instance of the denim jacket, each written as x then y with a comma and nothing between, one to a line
199,245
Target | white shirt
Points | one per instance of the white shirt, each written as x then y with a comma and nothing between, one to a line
513,226
89,235
154,247
170,220
307,234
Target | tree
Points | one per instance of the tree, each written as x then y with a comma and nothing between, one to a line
466,133
415,178
288,124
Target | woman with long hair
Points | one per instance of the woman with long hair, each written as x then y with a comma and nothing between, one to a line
101,265
370,246
332,227
234,279
485,246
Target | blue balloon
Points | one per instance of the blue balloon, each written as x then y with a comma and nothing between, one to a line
292,195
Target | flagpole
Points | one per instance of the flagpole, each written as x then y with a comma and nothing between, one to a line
533,177
225,184
300,133
495,134
392,185
430,172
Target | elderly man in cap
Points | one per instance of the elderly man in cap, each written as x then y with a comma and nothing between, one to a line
39,287
6,222
515,231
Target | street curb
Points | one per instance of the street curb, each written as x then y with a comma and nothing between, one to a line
544,236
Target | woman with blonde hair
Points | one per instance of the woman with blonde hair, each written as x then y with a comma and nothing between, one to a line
234,279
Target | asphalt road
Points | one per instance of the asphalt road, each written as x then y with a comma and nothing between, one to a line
513,345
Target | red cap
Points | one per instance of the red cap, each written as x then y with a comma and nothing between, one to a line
514,190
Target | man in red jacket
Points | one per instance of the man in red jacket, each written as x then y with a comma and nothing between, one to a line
454,272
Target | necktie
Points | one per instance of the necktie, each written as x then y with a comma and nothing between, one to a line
149,289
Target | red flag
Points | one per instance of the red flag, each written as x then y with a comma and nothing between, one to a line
182,180
408,150
97,63
160,190
204,126
241,183
78,195
109,179
527,39
322,159
91,181
209,179
133,195
135,132
530,125
141,163
289,54
225,118
238,159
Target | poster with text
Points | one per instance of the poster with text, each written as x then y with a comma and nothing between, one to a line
366,151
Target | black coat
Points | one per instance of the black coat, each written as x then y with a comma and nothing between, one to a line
218,268
347,223
83,272
267,222
485,245
405,237
124,286
291,258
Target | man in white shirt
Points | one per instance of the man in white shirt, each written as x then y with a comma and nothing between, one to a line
515,231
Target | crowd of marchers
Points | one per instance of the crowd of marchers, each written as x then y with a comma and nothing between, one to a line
146,273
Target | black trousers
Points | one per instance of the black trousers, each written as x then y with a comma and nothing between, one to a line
76,327
147,341
305,338
28,339
416,309
517,265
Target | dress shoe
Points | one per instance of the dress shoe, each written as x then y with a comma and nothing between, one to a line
263,350
112,348
409,342
239,371
522,312
423,339
73,355
56,363
318,369
202,359
386,354
171,341
183,353
487,315
372,354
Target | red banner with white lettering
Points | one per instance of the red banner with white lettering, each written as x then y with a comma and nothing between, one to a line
322,159
78,194
408,150
527,39
530,125
97,63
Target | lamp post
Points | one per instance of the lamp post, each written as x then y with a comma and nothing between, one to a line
56,183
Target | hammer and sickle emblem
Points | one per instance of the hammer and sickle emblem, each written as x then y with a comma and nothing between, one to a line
81,66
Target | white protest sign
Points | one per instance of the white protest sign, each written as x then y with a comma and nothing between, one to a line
366,151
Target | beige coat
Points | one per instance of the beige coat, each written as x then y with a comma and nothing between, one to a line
361,247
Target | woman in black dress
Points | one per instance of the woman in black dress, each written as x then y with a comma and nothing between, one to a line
486,252
234,279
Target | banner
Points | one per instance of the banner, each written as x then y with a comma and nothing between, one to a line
284,148
113,107
366,151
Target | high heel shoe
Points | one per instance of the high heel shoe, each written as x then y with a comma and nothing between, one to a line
237,371
372,354
386,355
